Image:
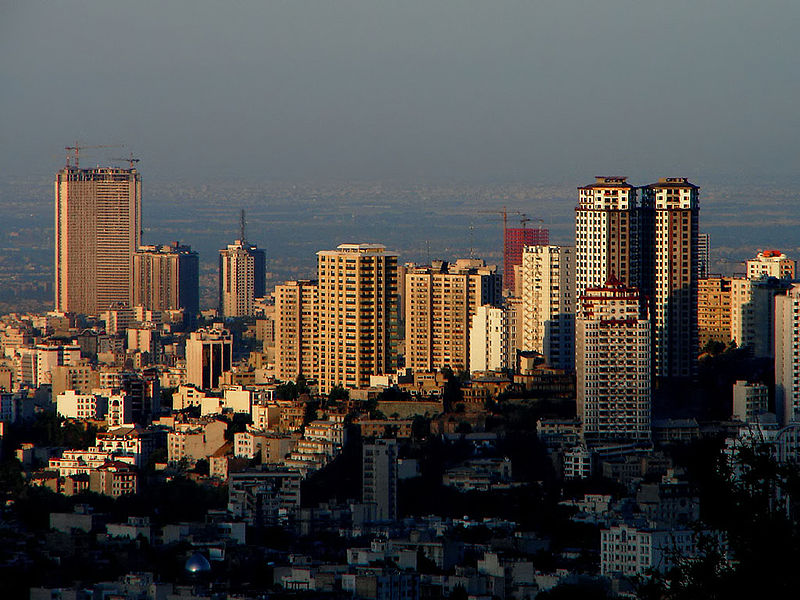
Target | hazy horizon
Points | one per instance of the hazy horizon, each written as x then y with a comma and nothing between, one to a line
446,91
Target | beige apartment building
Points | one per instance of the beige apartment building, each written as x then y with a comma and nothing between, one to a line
714,310
440,301
356,315
296,329
166,278
97,230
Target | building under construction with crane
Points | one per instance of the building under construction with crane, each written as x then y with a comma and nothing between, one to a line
97,230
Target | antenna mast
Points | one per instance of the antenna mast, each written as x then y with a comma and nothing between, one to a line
242,225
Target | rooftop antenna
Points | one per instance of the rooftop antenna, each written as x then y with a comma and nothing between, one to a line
242,225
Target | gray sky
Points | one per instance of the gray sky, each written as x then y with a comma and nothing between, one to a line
483,91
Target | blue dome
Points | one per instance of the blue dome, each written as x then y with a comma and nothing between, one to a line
196,564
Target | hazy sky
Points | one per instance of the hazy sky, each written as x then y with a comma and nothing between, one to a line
546,91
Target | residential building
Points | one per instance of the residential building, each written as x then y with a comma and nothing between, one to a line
607,235
295,321
440,302
753,313
488,339
548,314
633,551
209,353
166,278
613,364
671,217
771,263
787,356
97,230
714,310
703,255
750,400
242,278
514,240
379,477
264,498
357,315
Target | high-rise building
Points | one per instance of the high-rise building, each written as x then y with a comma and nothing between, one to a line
671,209
514,240
97,230
753,313
607,235
548,296
379,478
714,310
771,263
356,315
440,302
242,278
488,339
209,353
787,356
613,364
295,329
703,255
166,278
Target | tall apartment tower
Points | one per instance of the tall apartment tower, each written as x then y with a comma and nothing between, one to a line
97,230
671,209
607,235
787,356
488,339
242,278
209,353
771,263
514,240
379,478
753,313
166,278
295,329
356,315
548,309
440,302
613,364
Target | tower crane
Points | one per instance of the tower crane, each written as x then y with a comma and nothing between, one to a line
76,151
130,160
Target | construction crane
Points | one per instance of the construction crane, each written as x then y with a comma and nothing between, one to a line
76,150
524,220
130,160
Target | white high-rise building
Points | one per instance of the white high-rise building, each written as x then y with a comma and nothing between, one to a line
753,313
489,340
548,314
771,263
787,356
607,234
613,364
97,230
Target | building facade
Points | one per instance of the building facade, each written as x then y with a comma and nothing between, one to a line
242,278
771,263
714,310
379,478
357,315
787,356
440,302
613,364
209,353
295,329
548,296
97,230
489,340
514,240
672,208
166,278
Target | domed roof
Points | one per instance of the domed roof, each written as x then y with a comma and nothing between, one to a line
196,564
